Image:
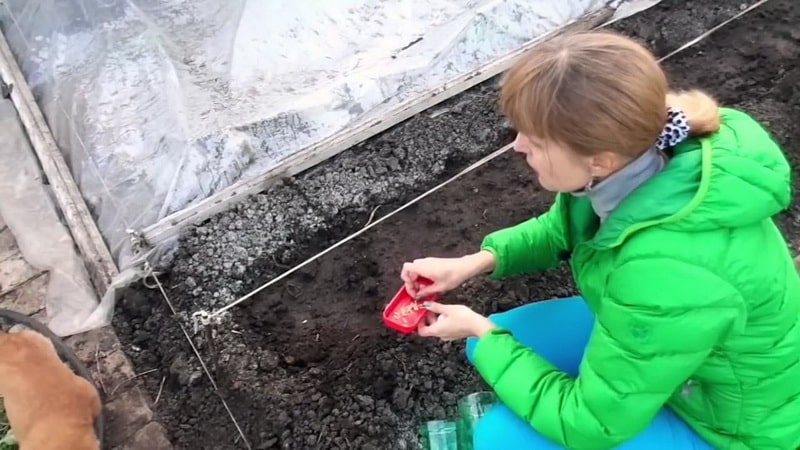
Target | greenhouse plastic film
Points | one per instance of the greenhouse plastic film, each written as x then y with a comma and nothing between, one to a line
27,208
157,104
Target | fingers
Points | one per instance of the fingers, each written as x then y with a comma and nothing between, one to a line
407,274
409,277
415,283
429,328
431,325
425,330
437,308
429,290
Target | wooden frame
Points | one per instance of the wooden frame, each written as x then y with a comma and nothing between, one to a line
171,225
82,226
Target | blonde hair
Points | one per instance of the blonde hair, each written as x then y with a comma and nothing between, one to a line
598,91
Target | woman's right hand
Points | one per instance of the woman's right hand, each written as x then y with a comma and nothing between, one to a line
446,273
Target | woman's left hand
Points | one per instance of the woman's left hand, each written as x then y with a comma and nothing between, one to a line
451,322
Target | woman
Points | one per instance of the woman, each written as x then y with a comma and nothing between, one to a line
686,332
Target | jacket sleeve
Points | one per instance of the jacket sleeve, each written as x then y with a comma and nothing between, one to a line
533,245
659,320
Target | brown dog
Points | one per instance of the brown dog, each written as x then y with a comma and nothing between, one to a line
48,406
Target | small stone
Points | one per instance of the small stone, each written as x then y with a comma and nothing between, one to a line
393,164
269,443
182,371
369,286
326,406
366,402
284,420
268,360
190,282
400,398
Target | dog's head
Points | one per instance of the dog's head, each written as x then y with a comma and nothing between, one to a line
21,344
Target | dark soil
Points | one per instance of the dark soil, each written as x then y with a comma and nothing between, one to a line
309,365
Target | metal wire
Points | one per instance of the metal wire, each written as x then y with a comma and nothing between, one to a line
196,353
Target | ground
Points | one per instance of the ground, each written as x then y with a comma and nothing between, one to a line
307,364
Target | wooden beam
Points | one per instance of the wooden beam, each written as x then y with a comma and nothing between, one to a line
85,233
312,155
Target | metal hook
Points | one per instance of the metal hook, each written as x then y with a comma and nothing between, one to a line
202,319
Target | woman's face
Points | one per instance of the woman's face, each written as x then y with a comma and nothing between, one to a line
559,169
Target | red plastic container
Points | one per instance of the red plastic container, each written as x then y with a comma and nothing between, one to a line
404,313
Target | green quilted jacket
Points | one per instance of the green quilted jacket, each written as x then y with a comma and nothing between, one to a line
696,301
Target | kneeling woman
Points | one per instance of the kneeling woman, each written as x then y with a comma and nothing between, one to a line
687,331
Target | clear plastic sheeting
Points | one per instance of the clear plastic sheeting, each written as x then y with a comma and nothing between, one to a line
157,104
45,243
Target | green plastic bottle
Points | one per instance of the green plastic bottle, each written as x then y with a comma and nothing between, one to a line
471,409
439,435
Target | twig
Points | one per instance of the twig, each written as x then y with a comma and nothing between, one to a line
371,216
99,372
405,369
293,290
355,337
129,380
321,433
160,389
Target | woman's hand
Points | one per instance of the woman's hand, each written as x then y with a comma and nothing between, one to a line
446,273
451,322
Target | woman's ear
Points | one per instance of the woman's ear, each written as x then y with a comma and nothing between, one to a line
605,163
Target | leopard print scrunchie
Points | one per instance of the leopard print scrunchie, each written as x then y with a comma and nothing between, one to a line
675,131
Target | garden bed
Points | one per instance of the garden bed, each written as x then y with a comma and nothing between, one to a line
307,363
